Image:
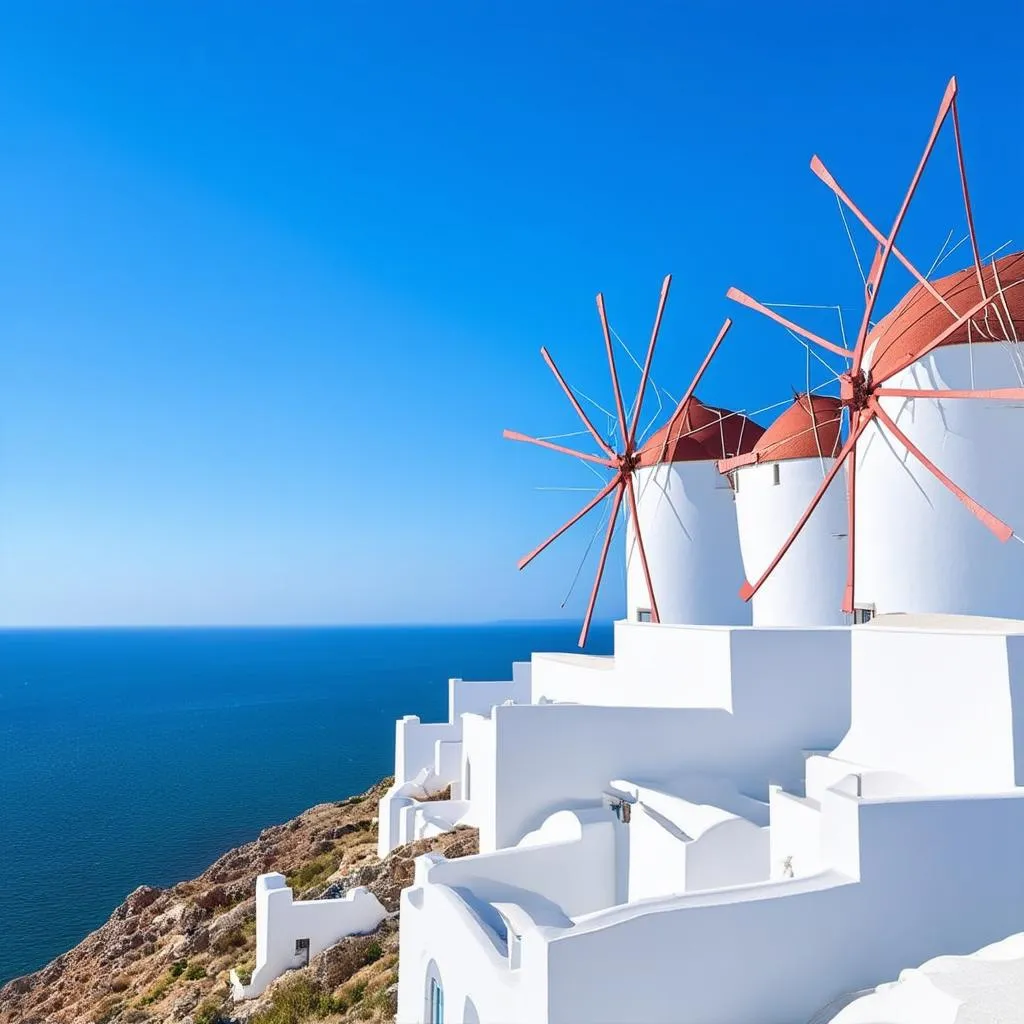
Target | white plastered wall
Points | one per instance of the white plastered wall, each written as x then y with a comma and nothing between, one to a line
490,910
789,691
676,845
655,665
416,741
479,768
570,861
488,972
943,706
428,756
774,953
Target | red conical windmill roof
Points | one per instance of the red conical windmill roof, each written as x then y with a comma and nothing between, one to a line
808,429
919,317
702,433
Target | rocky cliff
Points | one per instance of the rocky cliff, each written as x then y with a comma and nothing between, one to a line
165,954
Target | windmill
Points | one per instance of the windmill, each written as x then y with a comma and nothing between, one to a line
772,483
924,320
624,461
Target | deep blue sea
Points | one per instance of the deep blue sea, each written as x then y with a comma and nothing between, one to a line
139,756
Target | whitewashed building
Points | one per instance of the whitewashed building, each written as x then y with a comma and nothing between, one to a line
781,899
734,818
751,824
429,760
722,821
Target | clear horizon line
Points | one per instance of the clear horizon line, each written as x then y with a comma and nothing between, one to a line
396,624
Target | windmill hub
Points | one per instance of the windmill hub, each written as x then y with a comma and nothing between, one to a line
855,390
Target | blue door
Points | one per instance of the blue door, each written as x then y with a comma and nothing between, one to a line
436,1002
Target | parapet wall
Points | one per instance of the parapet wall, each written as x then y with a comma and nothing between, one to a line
785,691
940,705
290,933
904,880
569,861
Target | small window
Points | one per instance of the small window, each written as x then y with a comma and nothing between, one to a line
302,949
775,475
643,615
863,615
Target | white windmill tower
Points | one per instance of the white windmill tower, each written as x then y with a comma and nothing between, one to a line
773,483
917,550
688,519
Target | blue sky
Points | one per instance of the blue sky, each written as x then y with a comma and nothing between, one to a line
273,277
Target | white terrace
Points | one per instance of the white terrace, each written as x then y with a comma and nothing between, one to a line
428,759
665,883
741,702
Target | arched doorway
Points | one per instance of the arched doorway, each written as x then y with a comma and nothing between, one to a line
435,996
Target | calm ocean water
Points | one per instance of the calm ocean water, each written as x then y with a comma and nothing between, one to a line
139,756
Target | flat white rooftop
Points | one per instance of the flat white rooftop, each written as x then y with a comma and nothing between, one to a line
948,623
593,661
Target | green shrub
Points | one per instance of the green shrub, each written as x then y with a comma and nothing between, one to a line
160,988
386,998
178,968
355,991
349,801
373,953
194,971
317,870
107,1010
296,1001
234,939
207,1012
